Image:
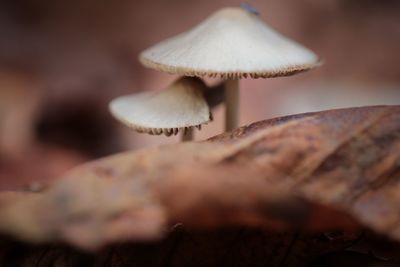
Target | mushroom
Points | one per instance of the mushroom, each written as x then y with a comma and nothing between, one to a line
232,43
181,106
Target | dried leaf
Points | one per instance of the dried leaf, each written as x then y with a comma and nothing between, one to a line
316,171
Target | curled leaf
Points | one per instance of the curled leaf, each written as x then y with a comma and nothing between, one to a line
316,171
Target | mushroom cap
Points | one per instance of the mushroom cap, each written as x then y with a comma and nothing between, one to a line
231,43
180,106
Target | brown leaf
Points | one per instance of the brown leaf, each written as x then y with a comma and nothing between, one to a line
316,171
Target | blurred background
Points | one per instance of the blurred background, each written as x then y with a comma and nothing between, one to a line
61,62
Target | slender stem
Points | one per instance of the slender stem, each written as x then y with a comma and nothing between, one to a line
232,104
187,135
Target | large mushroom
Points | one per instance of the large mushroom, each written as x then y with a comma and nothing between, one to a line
232,43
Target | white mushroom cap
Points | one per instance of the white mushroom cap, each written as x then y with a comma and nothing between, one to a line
231,43
179,106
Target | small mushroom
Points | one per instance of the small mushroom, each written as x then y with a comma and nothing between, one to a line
181,106
233,43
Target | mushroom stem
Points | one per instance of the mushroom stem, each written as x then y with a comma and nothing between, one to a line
232,104
187,135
